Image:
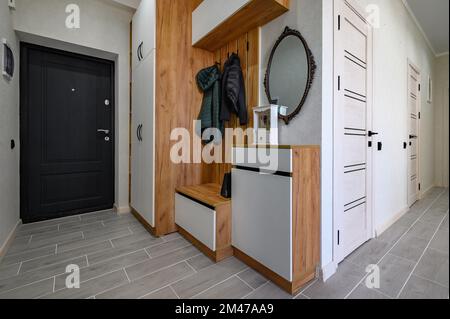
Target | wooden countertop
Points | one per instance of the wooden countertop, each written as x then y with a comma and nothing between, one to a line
206,193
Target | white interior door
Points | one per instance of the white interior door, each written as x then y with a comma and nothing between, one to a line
413,133
353,125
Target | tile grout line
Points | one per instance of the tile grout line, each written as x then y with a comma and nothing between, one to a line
83,282
171,288
61,261
103,274
38,257
161,269
302,291
109,289
177,249
432,281
42,279
439,250
421,256
126,274
190,266
16,288
18,270
245,283
260,287
398,240
166,286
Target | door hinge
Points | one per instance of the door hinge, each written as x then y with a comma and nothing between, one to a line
420,115
339,22
419,186
419,87
339,83
339,237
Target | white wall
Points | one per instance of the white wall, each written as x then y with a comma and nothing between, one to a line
104,32
397,40
440,97
9,129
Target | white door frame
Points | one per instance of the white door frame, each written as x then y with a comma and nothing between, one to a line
408,128
337,182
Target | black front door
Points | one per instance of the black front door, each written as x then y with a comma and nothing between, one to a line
67,147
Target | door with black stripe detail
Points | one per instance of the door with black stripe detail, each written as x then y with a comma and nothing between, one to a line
353,143
414,97
67,132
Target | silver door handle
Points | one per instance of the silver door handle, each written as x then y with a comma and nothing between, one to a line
103,131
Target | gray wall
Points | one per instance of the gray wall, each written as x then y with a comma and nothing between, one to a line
9,129
306,17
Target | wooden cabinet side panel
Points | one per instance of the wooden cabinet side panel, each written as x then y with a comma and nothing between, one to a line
178,102
223,227
306,212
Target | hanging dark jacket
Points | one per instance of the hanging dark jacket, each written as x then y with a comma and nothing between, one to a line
233,91
208,81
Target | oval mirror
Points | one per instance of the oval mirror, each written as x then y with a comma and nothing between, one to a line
290,73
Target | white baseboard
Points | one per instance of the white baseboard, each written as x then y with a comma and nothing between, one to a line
381,229
328,271
4,247
122,210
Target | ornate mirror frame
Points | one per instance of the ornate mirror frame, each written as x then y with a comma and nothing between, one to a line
311,72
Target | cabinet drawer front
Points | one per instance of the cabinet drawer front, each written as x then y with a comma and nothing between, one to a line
196,219
143,30
262,219
263,158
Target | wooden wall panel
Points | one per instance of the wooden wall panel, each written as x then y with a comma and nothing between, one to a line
249,55
178,100
178,103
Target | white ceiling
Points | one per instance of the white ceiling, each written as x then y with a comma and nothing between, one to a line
134,4
433,18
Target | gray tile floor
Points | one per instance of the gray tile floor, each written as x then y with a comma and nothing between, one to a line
119,259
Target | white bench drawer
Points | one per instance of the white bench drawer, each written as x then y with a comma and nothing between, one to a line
197,219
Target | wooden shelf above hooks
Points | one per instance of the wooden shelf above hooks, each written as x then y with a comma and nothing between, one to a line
253,14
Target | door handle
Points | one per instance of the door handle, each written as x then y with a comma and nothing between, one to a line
103,131
372,133
139,51
412,137
138,132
